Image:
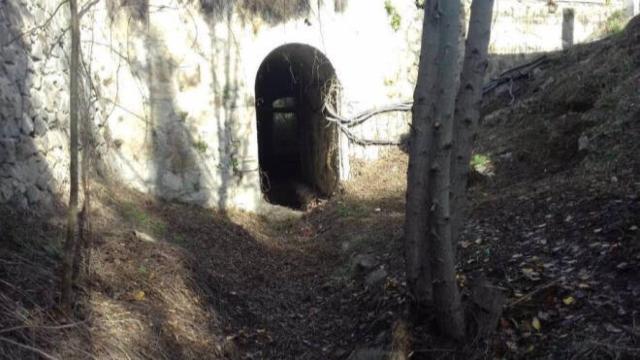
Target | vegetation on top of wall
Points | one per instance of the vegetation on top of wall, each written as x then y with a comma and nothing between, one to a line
615,23
340,5
394,17
270,11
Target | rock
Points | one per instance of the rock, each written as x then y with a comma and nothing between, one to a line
171,182
44,182
143,237
6,190
368,354
364,262
8,127
25,149
487,302
198,198
583,143
26,125
33,195
19,201
37,51
7,150
376,278
39,125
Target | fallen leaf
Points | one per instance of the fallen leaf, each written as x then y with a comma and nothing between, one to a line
622,266
531,274
612,329
139,296
569,300
535,323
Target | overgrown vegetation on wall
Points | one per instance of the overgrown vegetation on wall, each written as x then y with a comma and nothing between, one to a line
270,11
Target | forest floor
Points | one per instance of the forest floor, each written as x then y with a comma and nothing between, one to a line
555,223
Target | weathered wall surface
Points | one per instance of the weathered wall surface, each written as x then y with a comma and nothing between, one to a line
171,93
529,27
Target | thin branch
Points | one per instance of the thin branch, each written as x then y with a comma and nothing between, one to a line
345,124
87,7
38,27
534,292
54,327
30,348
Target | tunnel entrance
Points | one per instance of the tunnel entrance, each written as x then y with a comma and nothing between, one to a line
298,147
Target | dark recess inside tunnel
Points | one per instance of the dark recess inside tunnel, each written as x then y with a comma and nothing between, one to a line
298,147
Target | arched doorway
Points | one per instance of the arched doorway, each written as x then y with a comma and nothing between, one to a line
298,147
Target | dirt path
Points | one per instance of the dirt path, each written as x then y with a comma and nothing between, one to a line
214,285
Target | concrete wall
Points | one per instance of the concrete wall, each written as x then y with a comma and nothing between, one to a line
171,93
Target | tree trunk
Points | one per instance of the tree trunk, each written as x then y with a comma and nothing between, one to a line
445,288
418,201
468,105
66,296
429,251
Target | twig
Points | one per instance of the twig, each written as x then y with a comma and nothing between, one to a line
30,348
345,124
532,293
37,27
513,98
54,327
87,7
616,347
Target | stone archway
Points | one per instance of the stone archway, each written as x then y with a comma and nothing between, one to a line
298,147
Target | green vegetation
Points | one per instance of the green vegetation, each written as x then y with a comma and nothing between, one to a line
480,161
200,146
142,219
350,210
615,23
394,16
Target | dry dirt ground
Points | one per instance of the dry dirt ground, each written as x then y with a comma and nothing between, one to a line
554,223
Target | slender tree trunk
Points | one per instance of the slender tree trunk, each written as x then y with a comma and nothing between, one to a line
468,105
66,297
418,200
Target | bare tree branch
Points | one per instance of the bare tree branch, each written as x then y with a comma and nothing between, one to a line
38,27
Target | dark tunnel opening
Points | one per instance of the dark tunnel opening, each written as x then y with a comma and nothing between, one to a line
298,147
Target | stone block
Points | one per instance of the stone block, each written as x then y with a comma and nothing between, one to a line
8,127
7,151
171,183
26,125
6,190
39,125
25,149
33,195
